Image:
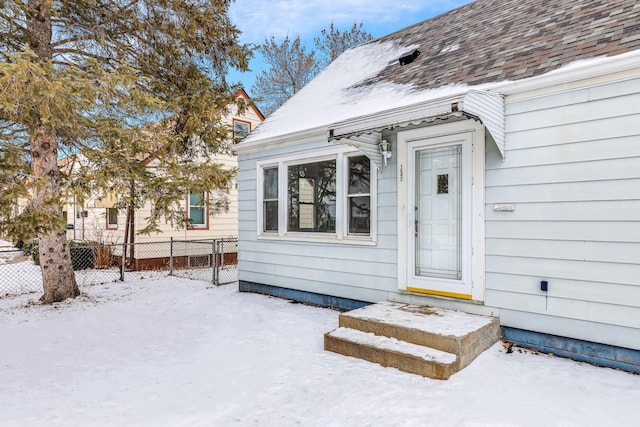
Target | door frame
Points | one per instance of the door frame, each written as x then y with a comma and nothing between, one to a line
475,221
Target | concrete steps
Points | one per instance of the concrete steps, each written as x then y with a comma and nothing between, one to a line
427,341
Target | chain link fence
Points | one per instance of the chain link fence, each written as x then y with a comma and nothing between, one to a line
213,261
208,260
226,268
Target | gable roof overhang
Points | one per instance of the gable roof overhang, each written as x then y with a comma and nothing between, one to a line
365,132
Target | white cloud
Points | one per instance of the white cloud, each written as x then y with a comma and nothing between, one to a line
259,18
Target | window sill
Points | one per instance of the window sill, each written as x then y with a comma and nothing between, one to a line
319,238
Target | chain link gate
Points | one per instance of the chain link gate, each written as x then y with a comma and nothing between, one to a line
214,260
226,268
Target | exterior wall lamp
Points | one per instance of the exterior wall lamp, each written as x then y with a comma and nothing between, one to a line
385,150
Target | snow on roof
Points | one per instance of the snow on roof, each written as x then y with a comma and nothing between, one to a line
340,92
482,44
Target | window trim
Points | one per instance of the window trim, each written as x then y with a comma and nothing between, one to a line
348,196
205,225
341,155
276,199
110,225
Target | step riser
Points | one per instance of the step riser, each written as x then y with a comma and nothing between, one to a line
475,343
466,347
414,336
388,358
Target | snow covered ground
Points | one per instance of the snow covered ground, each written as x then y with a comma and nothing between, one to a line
166,351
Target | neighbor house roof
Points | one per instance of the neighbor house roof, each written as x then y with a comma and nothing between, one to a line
471,47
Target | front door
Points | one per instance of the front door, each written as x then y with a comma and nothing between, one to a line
438,213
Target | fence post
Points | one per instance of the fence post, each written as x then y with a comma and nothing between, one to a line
171,257
222,253
214,264
122,261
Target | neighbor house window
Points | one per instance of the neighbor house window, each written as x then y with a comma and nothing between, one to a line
112,218
359,195
240,130
332,197
197,210
270,199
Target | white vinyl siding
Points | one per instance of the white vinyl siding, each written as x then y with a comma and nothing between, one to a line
572,171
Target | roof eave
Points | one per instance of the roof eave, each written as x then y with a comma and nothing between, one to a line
276,141
626,65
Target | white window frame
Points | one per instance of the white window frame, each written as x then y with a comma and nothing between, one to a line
277,199
205,211
340,155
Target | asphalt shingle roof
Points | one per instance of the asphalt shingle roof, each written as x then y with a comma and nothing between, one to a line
473,46
497,40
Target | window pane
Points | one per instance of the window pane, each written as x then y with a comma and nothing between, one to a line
240,130
113,216
271,183
271,215
196,215
195,199
359,175
312,197
359,215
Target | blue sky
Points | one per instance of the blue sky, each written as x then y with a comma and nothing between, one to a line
258,19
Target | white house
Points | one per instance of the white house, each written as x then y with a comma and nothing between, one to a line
486,160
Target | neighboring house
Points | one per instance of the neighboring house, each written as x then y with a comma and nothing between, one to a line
99,220
486,160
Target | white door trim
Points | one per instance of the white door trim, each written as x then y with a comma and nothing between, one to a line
476,218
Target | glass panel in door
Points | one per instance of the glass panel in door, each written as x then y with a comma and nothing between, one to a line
438,216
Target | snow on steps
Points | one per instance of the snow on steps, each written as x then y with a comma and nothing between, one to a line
423,340
407,357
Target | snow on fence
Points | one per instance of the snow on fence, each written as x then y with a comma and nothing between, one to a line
209,260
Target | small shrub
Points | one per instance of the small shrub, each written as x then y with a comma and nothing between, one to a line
103,256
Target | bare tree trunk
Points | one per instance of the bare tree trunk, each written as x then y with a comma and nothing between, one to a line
58,278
